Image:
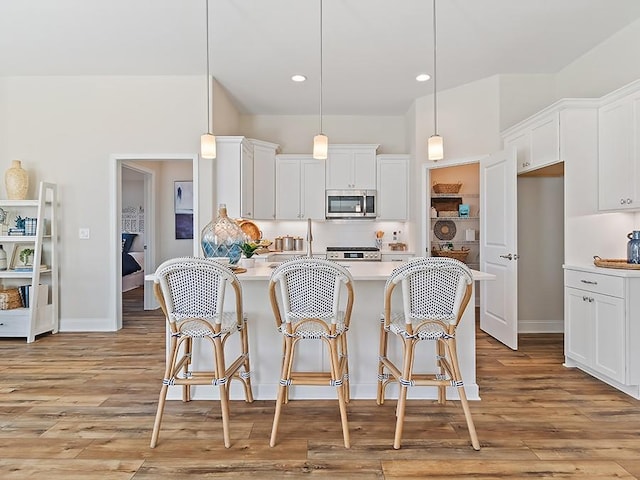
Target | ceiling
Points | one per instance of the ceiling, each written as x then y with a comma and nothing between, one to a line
372,49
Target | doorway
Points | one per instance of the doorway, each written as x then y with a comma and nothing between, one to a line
159,172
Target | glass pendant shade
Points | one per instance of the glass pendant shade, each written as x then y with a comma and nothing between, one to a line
208,146
222,237
435,147
320,147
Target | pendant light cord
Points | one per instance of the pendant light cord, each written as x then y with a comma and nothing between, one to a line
435,102
321,66
207,76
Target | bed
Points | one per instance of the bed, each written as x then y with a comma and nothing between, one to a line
132,261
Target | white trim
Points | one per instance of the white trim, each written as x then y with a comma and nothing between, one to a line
541,326
115,212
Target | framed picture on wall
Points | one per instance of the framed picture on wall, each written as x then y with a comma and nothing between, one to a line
183,209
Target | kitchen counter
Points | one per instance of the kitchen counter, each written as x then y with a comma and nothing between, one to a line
265,343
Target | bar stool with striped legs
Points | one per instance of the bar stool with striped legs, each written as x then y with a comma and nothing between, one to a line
191,292
310,294
435,293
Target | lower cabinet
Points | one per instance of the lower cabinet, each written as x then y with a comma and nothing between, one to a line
396,256
600,334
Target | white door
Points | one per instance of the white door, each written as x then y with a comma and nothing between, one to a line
498,244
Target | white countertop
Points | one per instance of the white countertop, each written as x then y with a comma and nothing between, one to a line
614,272
366,271
358,270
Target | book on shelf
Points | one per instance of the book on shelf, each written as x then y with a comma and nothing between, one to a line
27,268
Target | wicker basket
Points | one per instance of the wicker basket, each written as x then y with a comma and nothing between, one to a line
457,254
447,187
448,213
10,299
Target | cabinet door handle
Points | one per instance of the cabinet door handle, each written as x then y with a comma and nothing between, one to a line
585,298
589,282
508,256
629,201
622,201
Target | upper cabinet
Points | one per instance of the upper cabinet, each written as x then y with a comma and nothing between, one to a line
299,187
351,166
264,180
536,141
393,187
619,154
245,170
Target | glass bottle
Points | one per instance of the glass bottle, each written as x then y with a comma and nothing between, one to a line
633,247
222,237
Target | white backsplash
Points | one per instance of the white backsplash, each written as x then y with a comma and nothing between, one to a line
335,233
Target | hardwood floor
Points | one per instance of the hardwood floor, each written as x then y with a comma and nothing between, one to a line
81,406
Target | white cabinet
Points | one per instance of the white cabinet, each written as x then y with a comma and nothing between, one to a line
245,177
41,313
393,187
351,166
300,186
234,176
536,141
600,325
396,256
264,180
619,154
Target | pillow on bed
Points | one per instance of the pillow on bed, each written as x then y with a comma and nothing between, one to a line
129,264
127,241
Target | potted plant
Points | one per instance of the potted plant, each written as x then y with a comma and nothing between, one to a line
249,250
26,255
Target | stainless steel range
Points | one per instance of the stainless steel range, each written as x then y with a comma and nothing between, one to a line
370,254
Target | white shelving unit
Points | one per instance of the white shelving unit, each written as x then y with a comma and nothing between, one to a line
461,224
41,315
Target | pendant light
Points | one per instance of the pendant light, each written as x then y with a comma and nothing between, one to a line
320,141
208,140
435,146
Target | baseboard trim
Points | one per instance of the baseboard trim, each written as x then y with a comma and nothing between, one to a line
541,326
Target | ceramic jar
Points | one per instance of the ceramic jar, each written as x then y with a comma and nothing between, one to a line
222,237
16,180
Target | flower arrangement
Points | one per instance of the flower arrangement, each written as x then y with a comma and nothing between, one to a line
249,249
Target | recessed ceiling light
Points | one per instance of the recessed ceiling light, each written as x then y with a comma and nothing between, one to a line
423,77
298,78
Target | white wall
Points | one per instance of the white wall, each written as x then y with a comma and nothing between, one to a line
607,67
541,253
78,123
168,245
225,116
294,133
468,120
523,95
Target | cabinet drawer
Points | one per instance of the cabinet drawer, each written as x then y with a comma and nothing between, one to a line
13,325
594,282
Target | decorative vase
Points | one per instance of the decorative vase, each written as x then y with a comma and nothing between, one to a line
247,262
16,180
222,237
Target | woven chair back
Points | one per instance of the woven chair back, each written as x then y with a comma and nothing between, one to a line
194,288
432,288
310,288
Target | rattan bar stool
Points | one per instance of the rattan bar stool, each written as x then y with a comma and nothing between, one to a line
310,292
191,292
435,293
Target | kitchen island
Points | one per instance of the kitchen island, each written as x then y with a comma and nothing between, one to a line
265,342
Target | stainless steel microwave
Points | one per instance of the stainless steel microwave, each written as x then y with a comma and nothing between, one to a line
351,204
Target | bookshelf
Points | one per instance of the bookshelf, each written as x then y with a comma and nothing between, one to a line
40,314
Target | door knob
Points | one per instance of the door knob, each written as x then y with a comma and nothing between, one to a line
508,257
